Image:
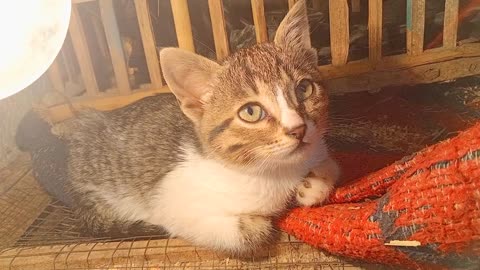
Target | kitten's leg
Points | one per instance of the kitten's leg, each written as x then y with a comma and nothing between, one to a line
316,187
235,235
101,222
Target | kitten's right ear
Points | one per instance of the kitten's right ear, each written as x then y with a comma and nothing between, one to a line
188,76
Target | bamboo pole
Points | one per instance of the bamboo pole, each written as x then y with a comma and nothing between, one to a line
149,45
115,45
219,28
82,52
258,11
183,26
339,31
415,26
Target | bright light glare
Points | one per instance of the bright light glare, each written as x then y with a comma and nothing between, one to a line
32,33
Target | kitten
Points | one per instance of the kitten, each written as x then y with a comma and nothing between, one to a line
216,161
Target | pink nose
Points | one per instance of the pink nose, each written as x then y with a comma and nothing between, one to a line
297,132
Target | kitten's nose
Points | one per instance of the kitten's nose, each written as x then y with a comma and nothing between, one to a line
298,132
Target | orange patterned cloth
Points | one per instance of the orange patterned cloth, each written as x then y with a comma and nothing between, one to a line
431,199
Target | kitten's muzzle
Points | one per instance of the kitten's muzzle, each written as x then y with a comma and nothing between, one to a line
298,132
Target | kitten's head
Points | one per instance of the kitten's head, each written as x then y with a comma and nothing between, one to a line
263,105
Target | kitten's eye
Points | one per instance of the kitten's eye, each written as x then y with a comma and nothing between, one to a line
251,113
304,90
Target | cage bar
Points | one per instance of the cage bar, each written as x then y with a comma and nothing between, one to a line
450,24
219,28
415,26
339,31
115,46
375,30
258,12
82,52
183,26
148,41
55,76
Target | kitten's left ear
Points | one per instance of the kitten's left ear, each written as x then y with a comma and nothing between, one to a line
188,76
294,31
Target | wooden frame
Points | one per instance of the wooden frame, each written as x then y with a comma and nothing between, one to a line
445,63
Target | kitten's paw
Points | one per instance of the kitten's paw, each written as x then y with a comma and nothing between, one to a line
313,190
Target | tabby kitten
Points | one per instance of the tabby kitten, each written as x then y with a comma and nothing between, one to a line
216,161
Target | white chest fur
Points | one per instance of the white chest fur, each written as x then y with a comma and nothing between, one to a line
200,188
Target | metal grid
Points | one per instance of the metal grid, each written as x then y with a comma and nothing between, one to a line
38,233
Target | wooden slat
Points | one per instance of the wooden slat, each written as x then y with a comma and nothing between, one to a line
415,26
183,26
375,30
55,75
219,28
258,11
450,24
104,103
115,45
400,61
291,3
149,44
429,73
82,52
339,31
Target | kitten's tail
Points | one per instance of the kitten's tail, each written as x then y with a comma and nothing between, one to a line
33,133
48,152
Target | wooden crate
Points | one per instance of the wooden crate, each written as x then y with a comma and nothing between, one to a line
448,62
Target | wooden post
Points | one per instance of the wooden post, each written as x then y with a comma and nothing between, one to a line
183,26
219,29
55,75
339,31
148,40
415,26
115,45
82,52
258,11
291,3
375,30
450,24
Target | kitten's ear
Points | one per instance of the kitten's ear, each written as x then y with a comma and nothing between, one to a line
294,32
188,76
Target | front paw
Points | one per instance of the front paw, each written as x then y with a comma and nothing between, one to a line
313,190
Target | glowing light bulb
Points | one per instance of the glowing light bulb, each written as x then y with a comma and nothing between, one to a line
32,33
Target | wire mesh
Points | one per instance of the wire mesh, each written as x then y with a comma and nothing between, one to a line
37,232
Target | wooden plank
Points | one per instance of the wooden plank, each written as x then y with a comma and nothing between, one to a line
291,3
450,24
219,28
82,52
339,31
115,46
400,61
183,26
55,75
429,73
375,30
104,103
415,26
149,44
258,11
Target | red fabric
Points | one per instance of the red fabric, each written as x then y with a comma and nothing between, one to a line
432,197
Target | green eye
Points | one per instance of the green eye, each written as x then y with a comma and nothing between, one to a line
304,90
251,113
